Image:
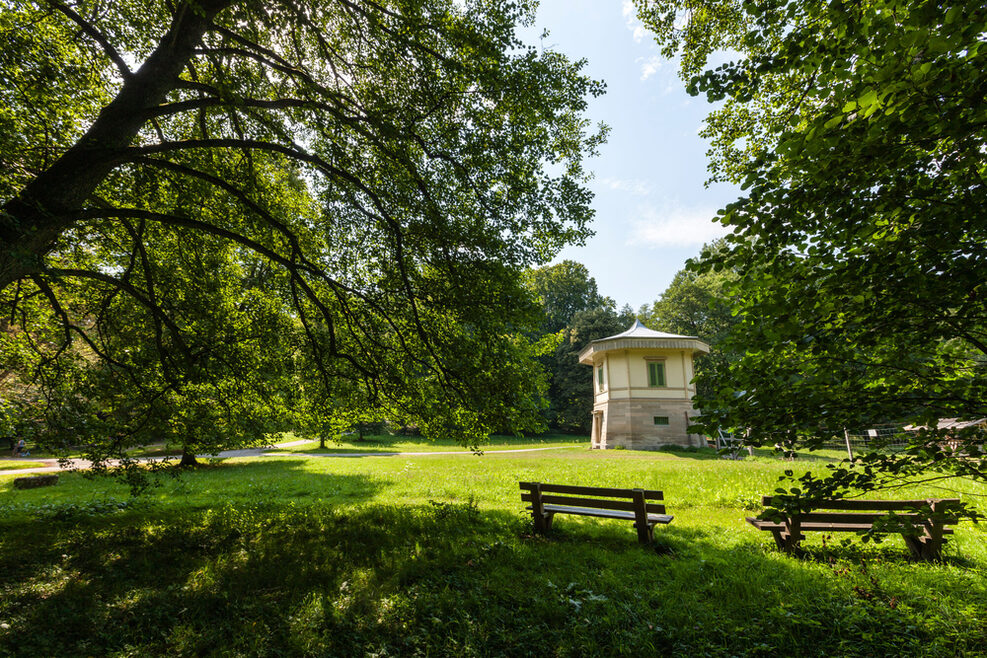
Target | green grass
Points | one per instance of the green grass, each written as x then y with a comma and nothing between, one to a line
155,450
12,465
434,555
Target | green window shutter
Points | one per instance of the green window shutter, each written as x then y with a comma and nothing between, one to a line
599,377
656,374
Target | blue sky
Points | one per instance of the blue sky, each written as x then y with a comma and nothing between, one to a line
653,211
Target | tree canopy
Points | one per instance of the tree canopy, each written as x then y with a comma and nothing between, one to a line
857,131
570,391
219,216
699,304
576,313
563,290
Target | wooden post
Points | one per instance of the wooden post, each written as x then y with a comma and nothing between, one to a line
914,545
846,436
537,510
641,517
793,535
933,532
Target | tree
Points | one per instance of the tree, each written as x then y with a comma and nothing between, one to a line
570,390
289,210
858,133
699,304
564,290
573,309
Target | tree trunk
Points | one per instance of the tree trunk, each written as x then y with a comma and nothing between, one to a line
32,221
322,442
188,458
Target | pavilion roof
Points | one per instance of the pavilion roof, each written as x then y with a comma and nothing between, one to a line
639,336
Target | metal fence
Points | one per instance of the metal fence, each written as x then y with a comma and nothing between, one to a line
882,439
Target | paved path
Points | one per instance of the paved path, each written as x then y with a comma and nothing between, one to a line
52,465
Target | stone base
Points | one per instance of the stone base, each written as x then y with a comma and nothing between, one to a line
631,424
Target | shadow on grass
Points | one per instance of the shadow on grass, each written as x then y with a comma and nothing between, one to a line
356,450
801,456
270,482
761,453
437,579
891,548
701,454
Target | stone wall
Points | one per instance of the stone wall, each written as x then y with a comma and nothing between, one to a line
630,423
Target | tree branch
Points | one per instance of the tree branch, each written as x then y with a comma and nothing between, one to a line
96,36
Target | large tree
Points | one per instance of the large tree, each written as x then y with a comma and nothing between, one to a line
563,290
573,309
858,130
570,391
699,304
216,209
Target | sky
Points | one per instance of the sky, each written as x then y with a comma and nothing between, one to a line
653,210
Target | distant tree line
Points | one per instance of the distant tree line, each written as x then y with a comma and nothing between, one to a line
574,310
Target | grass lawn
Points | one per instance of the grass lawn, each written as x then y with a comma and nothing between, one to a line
17,464
434,555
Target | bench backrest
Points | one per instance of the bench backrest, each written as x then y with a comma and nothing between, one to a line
595,497
854,510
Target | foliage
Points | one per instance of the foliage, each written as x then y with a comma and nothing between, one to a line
288,214
860,241
571,385
699,304
563,290
576,313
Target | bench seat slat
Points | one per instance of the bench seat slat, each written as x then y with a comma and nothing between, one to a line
590,491
598,503
863,517
867,505
816,526
604,513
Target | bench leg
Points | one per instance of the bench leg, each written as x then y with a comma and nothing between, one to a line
927,549
641,517
914,546
647,535
792,543
790,537
540,524
543,521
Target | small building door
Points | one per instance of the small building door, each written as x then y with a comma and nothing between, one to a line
597,439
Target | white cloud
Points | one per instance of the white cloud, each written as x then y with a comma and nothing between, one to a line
634,186
649,66
675,226
630,18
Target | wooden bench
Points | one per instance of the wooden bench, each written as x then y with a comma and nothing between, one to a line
547,500
922,523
